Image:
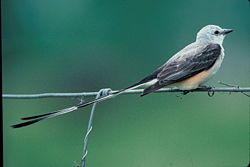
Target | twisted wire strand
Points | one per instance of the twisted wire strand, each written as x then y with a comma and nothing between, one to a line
102,92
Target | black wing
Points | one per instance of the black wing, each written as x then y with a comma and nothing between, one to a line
179,70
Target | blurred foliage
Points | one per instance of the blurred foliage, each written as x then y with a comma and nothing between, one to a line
85,45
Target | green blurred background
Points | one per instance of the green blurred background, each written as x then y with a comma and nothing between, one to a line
86,45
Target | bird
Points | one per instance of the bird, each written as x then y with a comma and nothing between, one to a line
187,70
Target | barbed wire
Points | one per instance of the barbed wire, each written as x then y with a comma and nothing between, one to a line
107,91
135,91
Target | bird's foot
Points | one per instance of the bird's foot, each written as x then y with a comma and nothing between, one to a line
185,92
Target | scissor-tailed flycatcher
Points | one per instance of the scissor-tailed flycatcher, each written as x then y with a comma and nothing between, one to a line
187,70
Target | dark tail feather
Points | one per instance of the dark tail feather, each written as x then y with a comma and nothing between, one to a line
43,117
109,96
37,118
151,89
75,108
26,123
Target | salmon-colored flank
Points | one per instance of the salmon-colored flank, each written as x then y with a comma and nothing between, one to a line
194,81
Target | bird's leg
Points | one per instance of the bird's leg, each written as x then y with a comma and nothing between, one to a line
185,92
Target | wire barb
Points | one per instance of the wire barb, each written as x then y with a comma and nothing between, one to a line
233,86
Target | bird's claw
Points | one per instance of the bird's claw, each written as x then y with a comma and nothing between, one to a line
186,92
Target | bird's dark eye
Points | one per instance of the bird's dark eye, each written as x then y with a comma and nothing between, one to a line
216,32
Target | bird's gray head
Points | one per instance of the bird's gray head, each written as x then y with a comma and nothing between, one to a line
212,34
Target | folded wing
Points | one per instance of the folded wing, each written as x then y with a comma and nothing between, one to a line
186,66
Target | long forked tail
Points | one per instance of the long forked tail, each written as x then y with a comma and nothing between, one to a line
38,118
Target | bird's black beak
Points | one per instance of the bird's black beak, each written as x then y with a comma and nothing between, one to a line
226,31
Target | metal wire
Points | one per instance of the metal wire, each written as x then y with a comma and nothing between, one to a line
136,91
105,92
102,92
